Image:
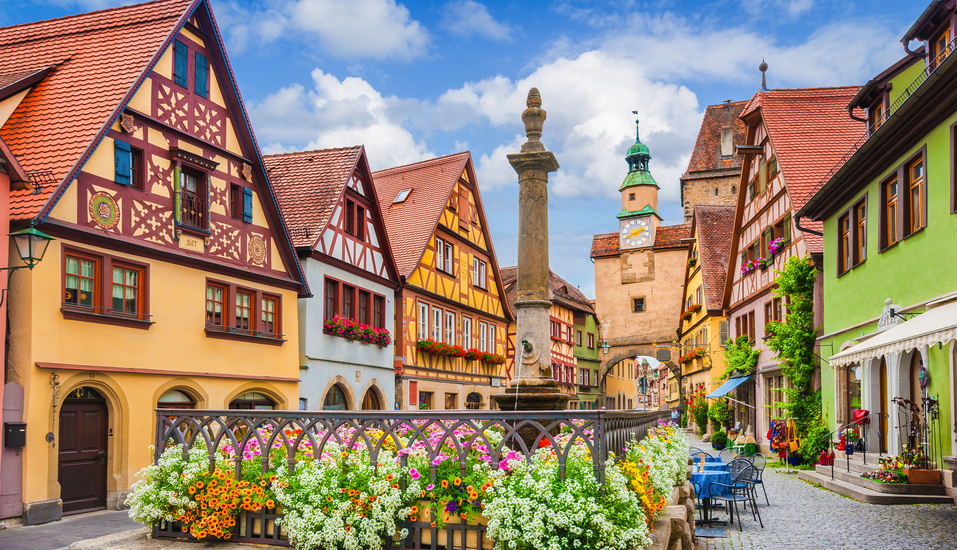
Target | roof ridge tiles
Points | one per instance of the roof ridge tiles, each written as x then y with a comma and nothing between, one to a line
418,164
313,151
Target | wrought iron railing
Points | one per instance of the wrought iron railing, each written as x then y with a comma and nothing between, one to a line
195,211
864,421
525,432
874,125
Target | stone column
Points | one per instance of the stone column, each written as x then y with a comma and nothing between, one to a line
533,387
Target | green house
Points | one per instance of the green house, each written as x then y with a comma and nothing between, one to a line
890,239
586,355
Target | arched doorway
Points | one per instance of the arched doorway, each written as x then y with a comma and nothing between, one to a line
253,401
335,399
883,404
372,400
176,399
914,377
473,401
83,452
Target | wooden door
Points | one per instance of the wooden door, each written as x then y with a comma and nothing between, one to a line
83,454
883,408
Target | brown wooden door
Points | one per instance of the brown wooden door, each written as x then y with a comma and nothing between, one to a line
83,454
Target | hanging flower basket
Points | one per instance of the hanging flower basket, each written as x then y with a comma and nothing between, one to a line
692,262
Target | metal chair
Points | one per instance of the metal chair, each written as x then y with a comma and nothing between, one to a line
760,461
727,455
699,506
741,489
692,451
736,466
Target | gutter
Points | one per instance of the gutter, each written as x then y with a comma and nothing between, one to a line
797,223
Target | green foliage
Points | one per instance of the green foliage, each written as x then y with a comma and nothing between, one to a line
740,357
700,412
719,438
814,442
684,418
793,341
718,413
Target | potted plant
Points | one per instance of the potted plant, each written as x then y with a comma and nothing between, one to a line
719,440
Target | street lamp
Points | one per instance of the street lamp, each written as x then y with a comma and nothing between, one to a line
605,347
31,245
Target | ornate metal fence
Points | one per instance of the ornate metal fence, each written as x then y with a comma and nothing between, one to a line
603,432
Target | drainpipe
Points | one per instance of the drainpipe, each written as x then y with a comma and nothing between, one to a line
797,224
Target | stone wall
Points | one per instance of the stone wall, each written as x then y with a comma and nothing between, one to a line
702,191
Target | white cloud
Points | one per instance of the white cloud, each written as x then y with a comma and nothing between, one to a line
335,113
467,18
346,29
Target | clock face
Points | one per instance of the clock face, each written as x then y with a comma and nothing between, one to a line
635,233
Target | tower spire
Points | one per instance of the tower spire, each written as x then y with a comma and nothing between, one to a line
763,67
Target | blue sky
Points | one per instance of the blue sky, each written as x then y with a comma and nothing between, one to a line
413,80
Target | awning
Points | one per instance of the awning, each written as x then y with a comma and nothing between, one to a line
726,388
938,325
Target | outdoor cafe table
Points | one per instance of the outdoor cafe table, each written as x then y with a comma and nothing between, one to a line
704,481
711,464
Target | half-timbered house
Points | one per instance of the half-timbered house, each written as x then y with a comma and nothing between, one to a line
171,281
570,309
451,319
330,207
794,136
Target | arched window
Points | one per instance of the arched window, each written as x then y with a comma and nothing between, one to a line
473,401
252,400
372,401
84,393
335,400
175,399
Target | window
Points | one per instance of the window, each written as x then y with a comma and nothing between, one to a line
180,61
631,196
772,168
939,48
235,201
270,308
350,217
768,315
201,75
875,115
364,297
425,400
915,197
699,298
400,198
860,232
303,404
193,197
578,337
81,276
844,243
127,289
591,341
175,399
483,338
778,311
360,223
450,328
253,401
451,401
215,304
762,176
439,254
727,145
244,302
348,301
479,273
473,401
466,332
723,329
378,311
136,169
448,258
128,165
637,305
766,237
491,338
423,321
436,324
889,212
331,298
335,399
355,219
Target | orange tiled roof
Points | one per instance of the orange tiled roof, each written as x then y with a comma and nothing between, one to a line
810,131
410,224
98,58
559,290
715,227
707,149
605,244
669,236
308,185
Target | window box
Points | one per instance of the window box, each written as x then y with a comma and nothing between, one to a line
353,331
438,348
764,263
776,246
106,317
233,333
692,262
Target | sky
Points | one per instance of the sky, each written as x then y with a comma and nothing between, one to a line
414,80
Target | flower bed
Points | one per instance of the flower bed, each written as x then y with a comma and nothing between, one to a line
367,486
355,331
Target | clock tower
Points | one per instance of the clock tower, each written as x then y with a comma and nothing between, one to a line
639,217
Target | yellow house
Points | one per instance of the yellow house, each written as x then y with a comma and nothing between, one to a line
703,330
451,300
171,281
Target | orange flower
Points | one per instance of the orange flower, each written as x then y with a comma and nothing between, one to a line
414,509
388,477
270,504
199,484
192,490
457,481
343,491
413,518
445,483
344,454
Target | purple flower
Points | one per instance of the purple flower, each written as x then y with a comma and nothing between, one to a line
451,507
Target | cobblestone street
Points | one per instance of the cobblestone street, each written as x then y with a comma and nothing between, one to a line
804,517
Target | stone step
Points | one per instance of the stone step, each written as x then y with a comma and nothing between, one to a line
842,463
863,494
892,488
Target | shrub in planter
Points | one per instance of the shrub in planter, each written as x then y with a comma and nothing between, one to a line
700,407
719,440
718,413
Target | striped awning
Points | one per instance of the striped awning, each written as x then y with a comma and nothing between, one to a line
937,325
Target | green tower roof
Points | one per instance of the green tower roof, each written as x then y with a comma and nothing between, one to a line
644,211
638,156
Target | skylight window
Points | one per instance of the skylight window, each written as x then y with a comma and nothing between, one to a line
404,194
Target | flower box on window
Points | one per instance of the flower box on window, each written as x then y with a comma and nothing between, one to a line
776,246
438,348
692,262
354,331
763,263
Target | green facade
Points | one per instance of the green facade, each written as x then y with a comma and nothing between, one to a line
588,358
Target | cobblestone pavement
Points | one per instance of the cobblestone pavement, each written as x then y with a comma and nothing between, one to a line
804,517
63,533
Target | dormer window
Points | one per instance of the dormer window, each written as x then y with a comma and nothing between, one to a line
875,116
400,198
939,49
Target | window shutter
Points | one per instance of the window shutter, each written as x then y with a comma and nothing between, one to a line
201,82
179,63
122,155
787,228
723,329
247,205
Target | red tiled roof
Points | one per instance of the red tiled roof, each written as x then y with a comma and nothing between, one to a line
669,236
559,290
308,186
707,149
715,228
411,223
98,57
605,244
810,131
